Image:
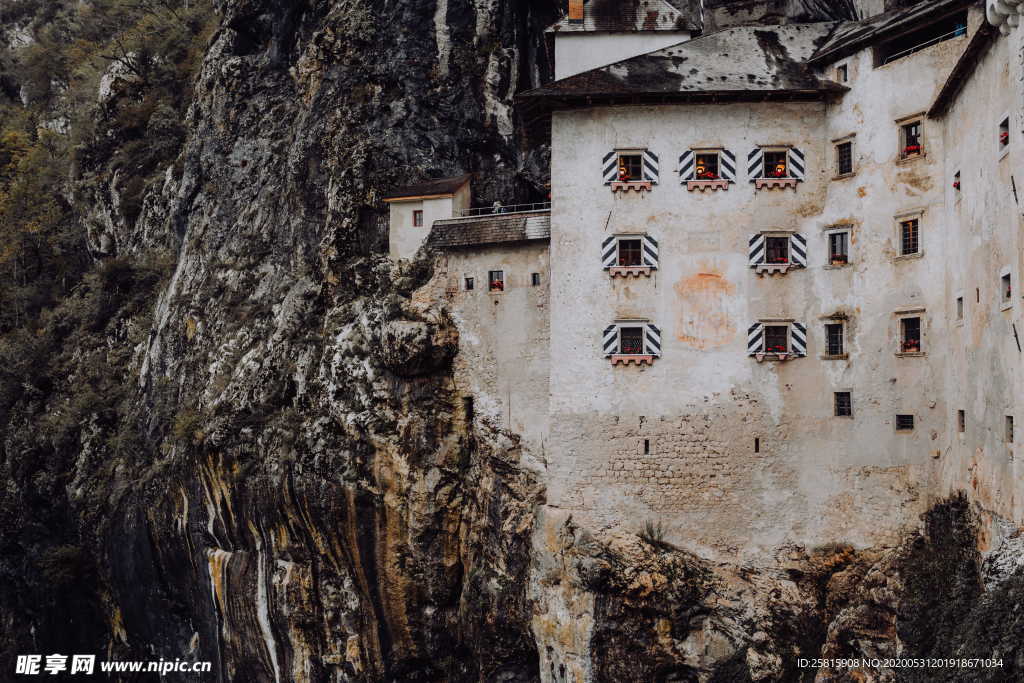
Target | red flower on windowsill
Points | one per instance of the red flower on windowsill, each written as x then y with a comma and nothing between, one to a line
911,346
910,150
632,350
778,174
498,285
776,349
1004,138
838,259
956,184
779,259
707,175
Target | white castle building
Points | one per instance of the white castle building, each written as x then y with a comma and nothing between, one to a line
775,300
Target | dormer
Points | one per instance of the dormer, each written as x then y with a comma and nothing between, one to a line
600,32
413,209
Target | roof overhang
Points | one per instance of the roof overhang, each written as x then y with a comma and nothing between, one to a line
419,197
980,43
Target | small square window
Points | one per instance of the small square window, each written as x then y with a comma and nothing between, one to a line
630,252
844,158
469,284
904,423
776,164
961,421
910,335
959,308
910,237
631,167
631,340
1009,429
838,248
417,218
843,404
776,338
843,73
706,167
496,280
1004,133
776,250
535,279
910,140
1006,288
834,339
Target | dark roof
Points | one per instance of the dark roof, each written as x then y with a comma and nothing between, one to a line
438,186
965,66
850,37
742,61
626,16
490,229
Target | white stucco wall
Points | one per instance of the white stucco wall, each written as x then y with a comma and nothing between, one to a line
404,239
579,52
816,478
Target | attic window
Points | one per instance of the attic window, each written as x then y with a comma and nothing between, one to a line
843,73
952,26
417,218
910,140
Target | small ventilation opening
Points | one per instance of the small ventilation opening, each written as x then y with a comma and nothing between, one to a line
961,421
757,444
647,446
1004,133
467,407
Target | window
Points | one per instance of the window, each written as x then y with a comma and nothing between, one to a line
910,237
535,279
952,26
706,166
630,167
910,140
910,334
961,421
469,284
776,164
904,423
1009,429
647,446
630,252
843,404
776,250
834,339
956,184
959,308
776,338
1005,288
838,247
843,73
417,218
844,158
1004,133
496,280
631,340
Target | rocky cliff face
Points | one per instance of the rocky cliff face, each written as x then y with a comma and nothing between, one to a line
268,467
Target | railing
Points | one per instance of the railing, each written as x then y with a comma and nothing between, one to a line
500,208
955,33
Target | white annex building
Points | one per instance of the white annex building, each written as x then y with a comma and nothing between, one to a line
776,297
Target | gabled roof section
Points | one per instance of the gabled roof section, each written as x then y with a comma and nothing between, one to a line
439,187
628,16
474,231
851,37
741,61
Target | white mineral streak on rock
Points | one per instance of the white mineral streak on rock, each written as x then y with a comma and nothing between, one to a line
217,560
262,605
494,107
442,36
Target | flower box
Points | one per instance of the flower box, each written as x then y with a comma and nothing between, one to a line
707,175
497,286
911,347
627,185
632,359
838,260
630,271
773,182
1004,138
911,150
708,184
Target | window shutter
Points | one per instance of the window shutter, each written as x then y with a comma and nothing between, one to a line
798,339
653,340
755,252
650,246
755,335
796,163
727,165
610,340
610,167
755,164
798,249
650,166
686,166
608,251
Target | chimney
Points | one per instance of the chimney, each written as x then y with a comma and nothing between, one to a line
575,10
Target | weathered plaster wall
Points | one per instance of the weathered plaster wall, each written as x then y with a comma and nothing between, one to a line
504,337
985,376
579,52
815,478
404,239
